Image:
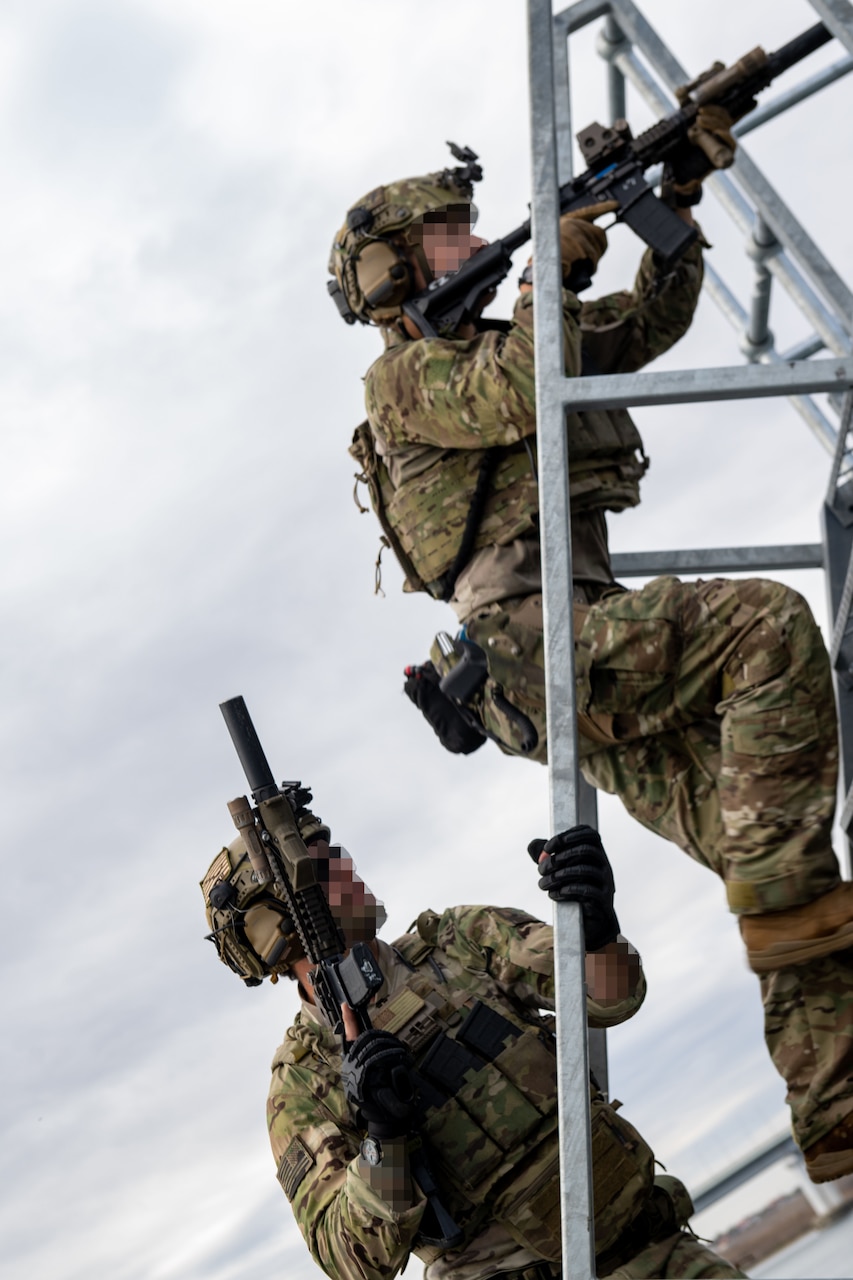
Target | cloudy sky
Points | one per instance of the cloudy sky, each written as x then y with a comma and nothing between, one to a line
177,394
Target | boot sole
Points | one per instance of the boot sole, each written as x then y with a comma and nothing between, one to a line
779,955
826,1168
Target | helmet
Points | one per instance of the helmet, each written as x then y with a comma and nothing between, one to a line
370,253
251,925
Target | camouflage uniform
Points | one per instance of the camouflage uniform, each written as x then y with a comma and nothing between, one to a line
708,709
441,409
502,1186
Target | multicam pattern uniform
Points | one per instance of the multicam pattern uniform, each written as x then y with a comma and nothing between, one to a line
708,709
435,405
504,959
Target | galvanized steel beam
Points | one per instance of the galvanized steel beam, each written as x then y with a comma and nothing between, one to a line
837,528
653,564
572,1053
785,100
690,386
817,422
838,16
772,208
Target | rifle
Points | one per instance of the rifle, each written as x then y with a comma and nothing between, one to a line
277,852
273,837
617,163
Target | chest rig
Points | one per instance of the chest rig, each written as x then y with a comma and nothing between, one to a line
486,1074
436,519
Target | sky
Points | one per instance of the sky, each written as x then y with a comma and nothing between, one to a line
177,394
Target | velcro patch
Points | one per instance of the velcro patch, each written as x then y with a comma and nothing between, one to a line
293,1166
399,1010
220,869
741,895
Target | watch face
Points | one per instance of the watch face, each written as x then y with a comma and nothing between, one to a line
371,1151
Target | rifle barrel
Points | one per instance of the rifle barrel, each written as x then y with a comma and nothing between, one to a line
798,48
248,747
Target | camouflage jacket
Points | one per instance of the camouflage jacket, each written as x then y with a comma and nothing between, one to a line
436,407
501,957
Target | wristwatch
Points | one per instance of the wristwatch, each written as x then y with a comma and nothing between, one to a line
526,276
371,1151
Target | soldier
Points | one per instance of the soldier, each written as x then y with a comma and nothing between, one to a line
448,448
459,1063
708,709
444,455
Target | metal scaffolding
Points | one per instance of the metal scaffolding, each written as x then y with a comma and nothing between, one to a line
781,253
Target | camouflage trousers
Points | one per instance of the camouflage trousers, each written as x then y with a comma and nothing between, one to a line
708,709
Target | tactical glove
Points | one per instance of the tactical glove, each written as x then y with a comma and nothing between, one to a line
582,243
711,145
451,727
576,869
377,1078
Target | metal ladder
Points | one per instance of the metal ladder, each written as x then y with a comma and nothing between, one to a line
781,252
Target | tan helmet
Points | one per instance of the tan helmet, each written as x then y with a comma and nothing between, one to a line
370,253
251,925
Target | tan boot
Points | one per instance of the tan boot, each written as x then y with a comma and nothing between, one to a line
781,938
832,1157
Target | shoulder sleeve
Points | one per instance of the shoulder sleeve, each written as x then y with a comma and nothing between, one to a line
624,331
351,1232
517,951
457,394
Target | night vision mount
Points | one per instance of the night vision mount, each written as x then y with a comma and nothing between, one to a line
469,171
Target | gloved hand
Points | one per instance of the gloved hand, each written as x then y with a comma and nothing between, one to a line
575,868
377,1078
711,145
452,729
581,241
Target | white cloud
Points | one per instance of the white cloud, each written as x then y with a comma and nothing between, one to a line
177,394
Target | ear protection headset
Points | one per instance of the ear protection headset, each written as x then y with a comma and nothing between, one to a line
384,274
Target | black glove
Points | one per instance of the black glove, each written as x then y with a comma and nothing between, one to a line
576,869
377,1077
453,730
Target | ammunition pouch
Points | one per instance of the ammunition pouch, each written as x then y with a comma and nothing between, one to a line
487,1084
667,1210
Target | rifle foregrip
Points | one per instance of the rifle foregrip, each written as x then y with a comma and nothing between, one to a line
319,934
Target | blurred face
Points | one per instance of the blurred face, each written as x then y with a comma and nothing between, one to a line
447,239
359,913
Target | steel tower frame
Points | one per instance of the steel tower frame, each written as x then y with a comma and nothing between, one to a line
781,252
